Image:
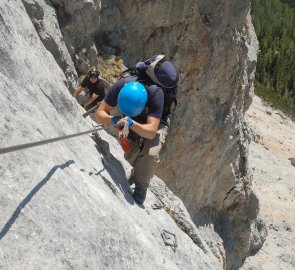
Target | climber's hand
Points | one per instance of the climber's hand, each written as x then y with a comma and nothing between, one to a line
115,120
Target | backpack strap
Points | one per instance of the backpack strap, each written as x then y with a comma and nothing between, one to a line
151,69
170,102
161,71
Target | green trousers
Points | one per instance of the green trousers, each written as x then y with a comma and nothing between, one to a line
145,160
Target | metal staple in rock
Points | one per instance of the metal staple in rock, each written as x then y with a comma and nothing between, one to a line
165,235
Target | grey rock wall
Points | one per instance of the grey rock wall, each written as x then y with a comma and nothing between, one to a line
78,21
204,161
67,205
44,19
214,45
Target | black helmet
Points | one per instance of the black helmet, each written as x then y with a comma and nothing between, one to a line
93,72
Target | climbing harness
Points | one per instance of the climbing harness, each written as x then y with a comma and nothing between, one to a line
33,144
169,239
123,135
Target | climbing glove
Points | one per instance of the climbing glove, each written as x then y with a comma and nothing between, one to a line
140,65
115,120
125,121
129,121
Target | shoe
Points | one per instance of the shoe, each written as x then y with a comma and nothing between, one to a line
139,195
131,180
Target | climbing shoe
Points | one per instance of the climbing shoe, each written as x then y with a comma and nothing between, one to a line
131,180
139,195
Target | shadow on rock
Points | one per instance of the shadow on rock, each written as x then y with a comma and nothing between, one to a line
28,198
114,169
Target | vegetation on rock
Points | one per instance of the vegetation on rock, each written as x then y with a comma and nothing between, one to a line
274,22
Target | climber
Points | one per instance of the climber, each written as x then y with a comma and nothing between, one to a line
95,87
143,100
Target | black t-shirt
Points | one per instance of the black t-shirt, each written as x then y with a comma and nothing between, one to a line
155,100
97,87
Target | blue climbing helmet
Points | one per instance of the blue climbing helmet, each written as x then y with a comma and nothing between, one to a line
132,99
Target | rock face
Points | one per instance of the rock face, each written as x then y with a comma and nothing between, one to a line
67,205
270,152
205,161
66,31
44,19
74,208
78,21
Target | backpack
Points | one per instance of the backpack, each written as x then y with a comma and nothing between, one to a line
162,72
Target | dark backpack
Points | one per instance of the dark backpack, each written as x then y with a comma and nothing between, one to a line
162,72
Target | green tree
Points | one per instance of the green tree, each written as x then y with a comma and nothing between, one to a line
274,22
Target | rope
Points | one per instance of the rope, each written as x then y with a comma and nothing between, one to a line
33,144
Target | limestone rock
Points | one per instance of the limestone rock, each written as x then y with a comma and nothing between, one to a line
67,205
274,185
44,18
77,189
292,161
205,160
78,22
